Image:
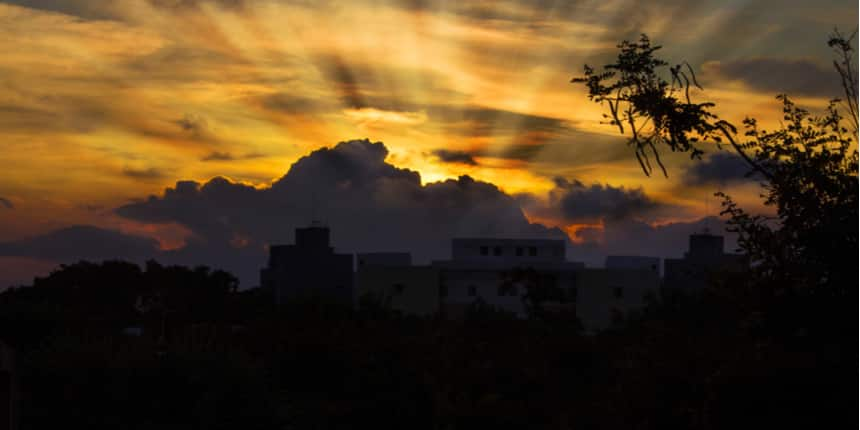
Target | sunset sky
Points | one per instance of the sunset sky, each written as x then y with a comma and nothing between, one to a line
103,104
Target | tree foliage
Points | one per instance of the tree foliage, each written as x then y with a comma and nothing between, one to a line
799,296
654,107
808,164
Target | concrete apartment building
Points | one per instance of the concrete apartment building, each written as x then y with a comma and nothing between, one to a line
478,268
704,259
486,270
391,279
310,267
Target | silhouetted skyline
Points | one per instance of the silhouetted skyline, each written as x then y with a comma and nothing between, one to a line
106,103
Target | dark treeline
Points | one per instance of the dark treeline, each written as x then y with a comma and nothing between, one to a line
209,356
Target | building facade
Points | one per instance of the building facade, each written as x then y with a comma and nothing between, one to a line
704,259
498,271
309,268
633,262
605,294
389,279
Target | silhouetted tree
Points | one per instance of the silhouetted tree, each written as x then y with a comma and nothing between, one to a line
808,166
784,333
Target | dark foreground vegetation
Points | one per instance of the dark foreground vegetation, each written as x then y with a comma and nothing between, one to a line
213,357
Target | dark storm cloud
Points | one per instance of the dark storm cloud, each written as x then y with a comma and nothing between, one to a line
180,63
85,9
6,203
482,121
195,4
193,124
370,205
776,75
633,237
294,105
520,152
150,173
519,11
226,156
721,168
82,242
452,156
362,84
573,202
336,69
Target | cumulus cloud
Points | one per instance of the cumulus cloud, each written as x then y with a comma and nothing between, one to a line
779,75
453,156
573,202
227,156
82,242
720,168
145,174
635,237
370,205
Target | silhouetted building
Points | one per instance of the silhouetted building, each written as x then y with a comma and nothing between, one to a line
633,262
390,259
704,259
499,272
479,266
310,267
602,294
389,279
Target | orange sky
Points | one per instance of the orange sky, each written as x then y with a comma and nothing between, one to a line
104,102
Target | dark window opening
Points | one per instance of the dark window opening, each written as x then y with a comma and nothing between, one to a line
519,251
532,251
485,250
398,288
618,292
497,251
473,291
443,290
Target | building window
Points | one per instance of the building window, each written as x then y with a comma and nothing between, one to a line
618,292
473,291
485,250
519,251
497,251
398,288
443,290
532,251
507,290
